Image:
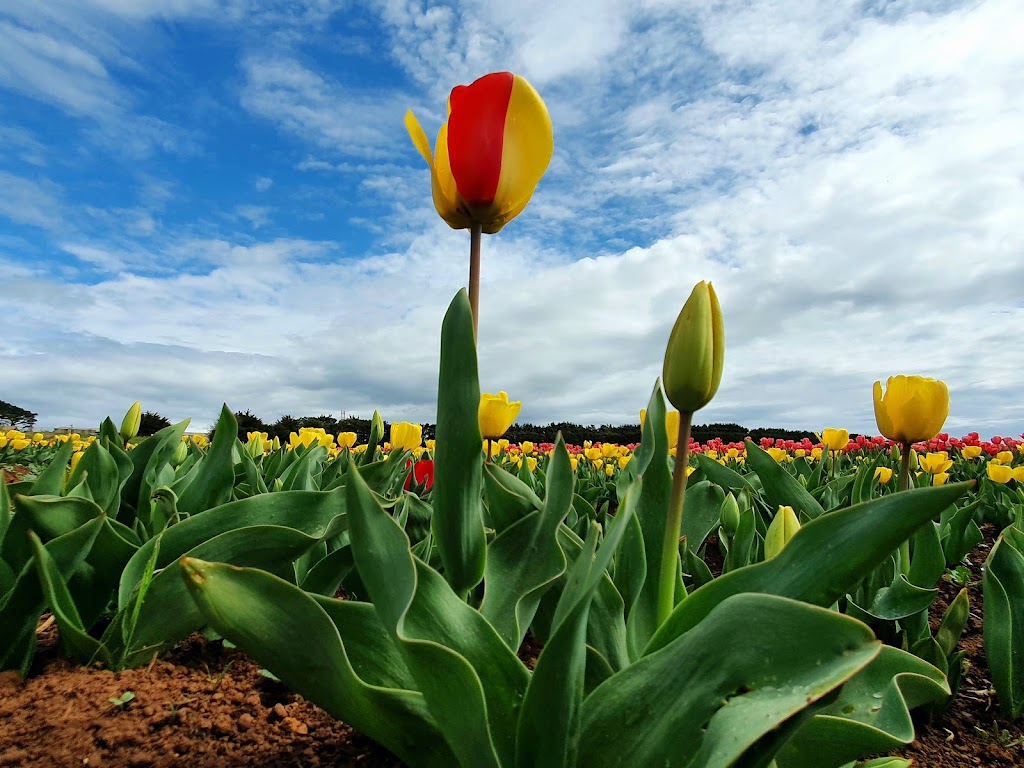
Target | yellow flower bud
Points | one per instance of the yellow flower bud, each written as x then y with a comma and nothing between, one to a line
406,436
695,353
782,529
912,409
75,458
131,422
497,414
779,454
940,478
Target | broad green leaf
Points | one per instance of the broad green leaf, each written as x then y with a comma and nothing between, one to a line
74,639
780,487
269,619
213,476
50,481
1003,584
954,620
701,512
871,715
899,600
652,509
147,459
525,558
472,682
508,498
326,575
927,563
825,558
720,474
21,608
100,473
318,514
457,524
703,700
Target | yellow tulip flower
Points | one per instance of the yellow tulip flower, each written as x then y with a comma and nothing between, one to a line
971,451
406,436
526,447
1004,457
497,414
779,454
940,478
671,425
912,408
999,473
1018,474
834,439
347,439
935,463
883,474
490,154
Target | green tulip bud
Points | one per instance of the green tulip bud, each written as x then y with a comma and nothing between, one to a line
730,515
782,529
131,422
180,454
913,460
696,350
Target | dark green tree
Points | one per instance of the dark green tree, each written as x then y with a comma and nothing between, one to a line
151,423
16,418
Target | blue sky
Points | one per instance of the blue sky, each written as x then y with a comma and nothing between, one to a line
207,201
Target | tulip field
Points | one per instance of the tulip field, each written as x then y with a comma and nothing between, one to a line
831,603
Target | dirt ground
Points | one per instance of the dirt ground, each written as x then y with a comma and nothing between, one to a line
207,706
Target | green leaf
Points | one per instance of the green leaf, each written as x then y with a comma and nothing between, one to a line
706,698
824,560
701,513
51,480
1003,585
899,600
457,524
213,476
780,487
871,715
100,472
508,498
652,509
472,682
720,474
524,560
74,639
148,457
954,620
270,618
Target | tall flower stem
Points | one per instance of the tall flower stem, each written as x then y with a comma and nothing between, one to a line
673,524
474,275
904,484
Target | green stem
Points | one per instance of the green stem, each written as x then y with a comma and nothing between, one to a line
904,484
474,275
673,524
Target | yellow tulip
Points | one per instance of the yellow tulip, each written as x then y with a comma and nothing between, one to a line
779,454
609,450
912,409
1004,457
835,439
695,353
75,458
609,469
347,439
999,473
497,414
531,462
574,462
624,461
526,447
405,436
940,478
20,443
971,451
1018,474
883,475
490,154
671,425
935,463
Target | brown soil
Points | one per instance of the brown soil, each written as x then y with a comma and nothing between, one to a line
207,706
15,474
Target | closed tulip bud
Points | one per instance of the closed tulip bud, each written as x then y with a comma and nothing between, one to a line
883,474
75,458
782,529
912,408
730,515
376,429
180,453
131,422
490,154
497,414
695,353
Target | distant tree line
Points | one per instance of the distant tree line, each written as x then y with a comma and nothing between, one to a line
574,434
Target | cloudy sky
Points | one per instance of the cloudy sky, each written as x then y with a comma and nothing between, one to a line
207,201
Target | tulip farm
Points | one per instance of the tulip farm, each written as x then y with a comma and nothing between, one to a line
847,602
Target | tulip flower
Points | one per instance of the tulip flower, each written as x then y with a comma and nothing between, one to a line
999,473
695,353
782,528
489,157
835,439
405,436
671,426
497,414
883,475
131,422
912,409
346,439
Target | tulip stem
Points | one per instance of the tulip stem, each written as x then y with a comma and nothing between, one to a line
673,524
904,484
475,233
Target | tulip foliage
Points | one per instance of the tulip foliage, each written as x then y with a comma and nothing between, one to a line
751,667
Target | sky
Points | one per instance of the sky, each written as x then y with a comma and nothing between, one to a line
216,201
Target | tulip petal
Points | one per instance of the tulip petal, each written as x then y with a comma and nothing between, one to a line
527,150
442,185
477,135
